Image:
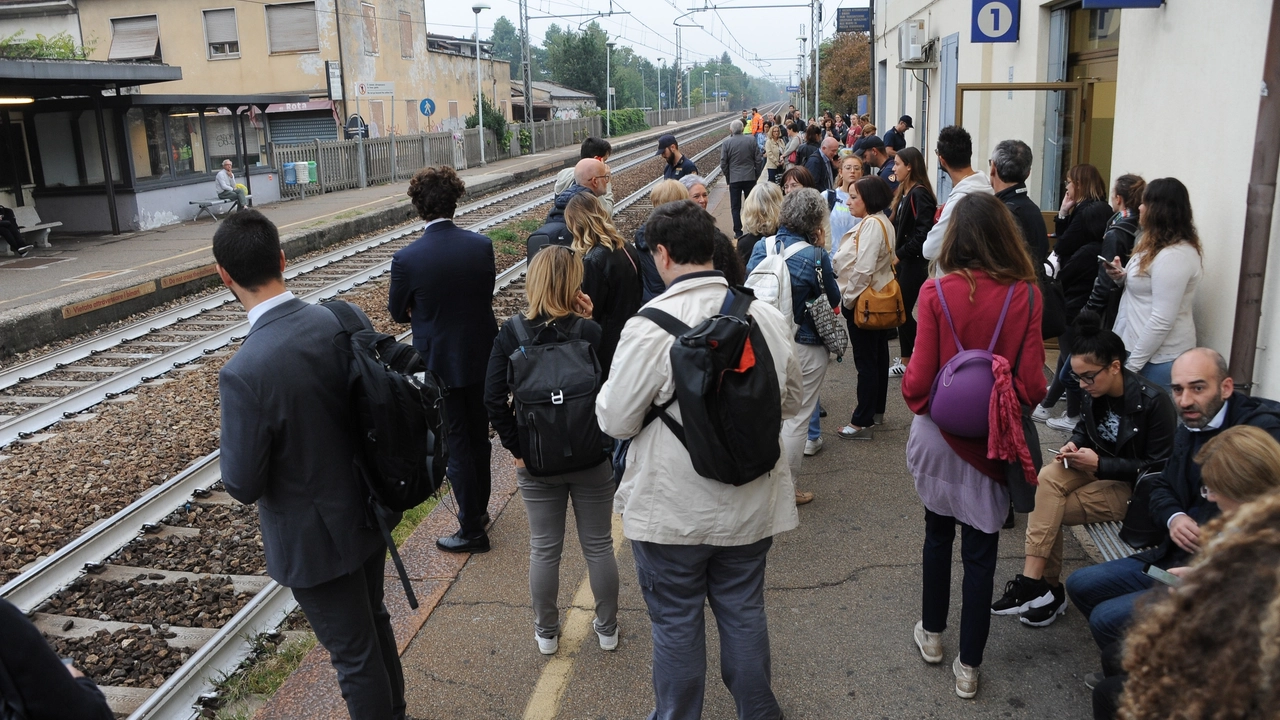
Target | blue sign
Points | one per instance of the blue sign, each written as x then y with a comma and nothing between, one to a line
793,88
853,19
724,93
995,21
862,105
1110,4
427,106
662,94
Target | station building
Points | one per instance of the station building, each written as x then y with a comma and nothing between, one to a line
1160,89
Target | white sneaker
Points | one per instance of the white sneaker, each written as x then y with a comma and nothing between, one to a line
1064,423
966,679
930,643
812,447
1041,413
548,646
897,369
608,642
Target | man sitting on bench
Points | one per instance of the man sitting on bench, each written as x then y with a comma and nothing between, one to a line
1126,425
227,189
12,235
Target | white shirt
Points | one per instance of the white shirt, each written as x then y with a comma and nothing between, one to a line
261,308
437,220
975,183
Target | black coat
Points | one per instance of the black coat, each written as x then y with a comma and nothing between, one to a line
747,244
820,168
651,282
1146,430
1177,489
1076,277
912,220
1116,242
1027,213
611,278
1086,224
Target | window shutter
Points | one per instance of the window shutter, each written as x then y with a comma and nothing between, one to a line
406,35
220,26
135,38
292,28
370,28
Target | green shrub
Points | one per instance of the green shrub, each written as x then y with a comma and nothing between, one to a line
624,121
493,121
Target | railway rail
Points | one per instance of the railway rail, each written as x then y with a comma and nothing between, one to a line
93,601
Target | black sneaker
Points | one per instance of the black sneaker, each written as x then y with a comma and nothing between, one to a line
25,250
1044,615
1022,594
1093,679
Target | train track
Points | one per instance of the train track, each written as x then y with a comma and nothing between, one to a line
69,381
78,595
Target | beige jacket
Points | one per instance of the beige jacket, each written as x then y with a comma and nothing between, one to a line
661,498
865,258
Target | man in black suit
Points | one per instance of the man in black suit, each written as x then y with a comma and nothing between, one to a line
443,284
288,444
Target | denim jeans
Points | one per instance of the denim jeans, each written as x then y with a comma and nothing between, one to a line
1105,595
676,581
1158,373
815,422
978,554
546,501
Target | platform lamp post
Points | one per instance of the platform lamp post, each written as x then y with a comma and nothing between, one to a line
479,96
705,73
718,107
608,89
661,67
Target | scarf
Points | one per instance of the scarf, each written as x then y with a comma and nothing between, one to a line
1006,439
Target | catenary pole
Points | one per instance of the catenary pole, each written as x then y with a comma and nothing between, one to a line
479,96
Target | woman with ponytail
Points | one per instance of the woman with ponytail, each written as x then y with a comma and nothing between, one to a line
1126,425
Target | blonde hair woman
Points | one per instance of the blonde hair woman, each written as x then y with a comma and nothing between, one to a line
611,270
759,217
667,191
773,153
557,311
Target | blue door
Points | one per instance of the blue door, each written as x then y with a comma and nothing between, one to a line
948,63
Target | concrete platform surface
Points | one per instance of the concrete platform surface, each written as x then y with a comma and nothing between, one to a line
842,595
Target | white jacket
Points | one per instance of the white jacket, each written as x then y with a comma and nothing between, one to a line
976,183
661,498
865,258
1154,318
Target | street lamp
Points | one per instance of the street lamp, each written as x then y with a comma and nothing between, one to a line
661,67
705,73
479,97
608,90
718,106
803,97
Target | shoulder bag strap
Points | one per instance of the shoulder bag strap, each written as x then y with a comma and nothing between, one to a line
946,312
995,337
885,231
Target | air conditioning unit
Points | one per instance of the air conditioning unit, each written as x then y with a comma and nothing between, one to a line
911,41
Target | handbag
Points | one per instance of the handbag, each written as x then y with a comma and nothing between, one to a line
881,309
830,329
1022,493
1139,530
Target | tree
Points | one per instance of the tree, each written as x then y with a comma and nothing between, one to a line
577,59
846,68
506,45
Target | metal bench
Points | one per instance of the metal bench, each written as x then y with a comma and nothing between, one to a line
1106,536
32,229
207,206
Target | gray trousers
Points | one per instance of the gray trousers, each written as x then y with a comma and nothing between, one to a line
546,501
238,195
675,581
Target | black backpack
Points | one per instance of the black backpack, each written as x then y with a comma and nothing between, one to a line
553,388
553,232
400,420
728,392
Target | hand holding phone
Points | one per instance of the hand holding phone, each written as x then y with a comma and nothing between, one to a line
1161,576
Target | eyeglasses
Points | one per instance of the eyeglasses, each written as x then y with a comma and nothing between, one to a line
1086,378
602,177
1205,492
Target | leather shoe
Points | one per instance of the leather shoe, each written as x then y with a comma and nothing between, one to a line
455,543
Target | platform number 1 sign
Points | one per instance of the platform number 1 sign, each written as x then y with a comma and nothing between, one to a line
995,21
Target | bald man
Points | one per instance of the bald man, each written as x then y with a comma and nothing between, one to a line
819,164
1207,403
589,175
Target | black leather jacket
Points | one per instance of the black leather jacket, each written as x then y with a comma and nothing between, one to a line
1145,435
1116,242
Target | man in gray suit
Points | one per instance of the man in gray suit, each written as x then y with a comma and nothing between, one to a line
741,163
288,444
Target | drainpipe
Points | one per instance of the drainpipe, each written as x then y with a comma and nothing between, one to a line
1260,202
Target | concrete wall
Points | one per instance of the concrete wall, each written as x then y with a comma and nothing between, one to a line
87,213
166,206
1176,63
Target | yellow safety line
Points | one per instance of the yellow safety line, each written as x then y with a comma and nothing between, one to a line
336,212
544,704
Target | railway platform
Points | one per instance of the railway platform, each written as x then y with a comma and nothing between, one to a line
842,591
85,281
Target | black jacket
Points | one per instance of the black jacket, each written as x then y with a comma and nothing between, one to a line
611,278
746,245
804,151
1116,242
1076,278
1146,430
497,393
820,168
912,220
1086,224
554,231
1178,488
1027,213
651,282
46,690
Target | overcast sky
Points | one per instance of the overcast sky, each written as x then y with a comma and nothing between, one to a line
767,33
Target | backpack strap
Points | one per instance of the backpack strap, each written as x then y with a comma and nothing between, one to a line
521,326
794,249
1003,311
946,312
736,303
665,321
346,315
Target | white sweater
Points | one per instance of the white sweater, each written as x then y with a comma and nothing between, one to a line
976,183
1154,318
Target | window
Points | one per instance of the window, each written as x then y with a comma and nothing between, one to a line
370,28
186,142
135,38
406,35
147,143
411,116
220,34
291,28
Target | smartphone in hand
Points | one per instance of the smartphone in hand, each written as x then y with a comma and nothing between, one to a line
1161,576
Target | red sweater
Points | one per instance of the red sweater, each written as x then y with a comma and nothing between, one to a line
975,322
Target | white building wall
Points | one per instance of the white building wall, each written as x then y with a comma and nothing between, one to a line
1183,73
47,25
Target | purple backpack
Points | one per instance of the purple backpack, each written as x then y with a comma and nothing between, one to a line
960,399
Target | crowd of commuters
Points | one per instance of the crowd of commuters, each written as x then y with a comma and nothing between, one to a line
830,221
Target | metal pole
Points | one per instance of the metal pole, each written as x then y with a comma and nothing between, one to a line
660,67
704,92
479,96
817,53
107,180
871,71
527,72
608,85
1259,202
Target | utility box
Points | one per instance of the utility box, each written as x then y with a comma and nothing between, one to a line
911,41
